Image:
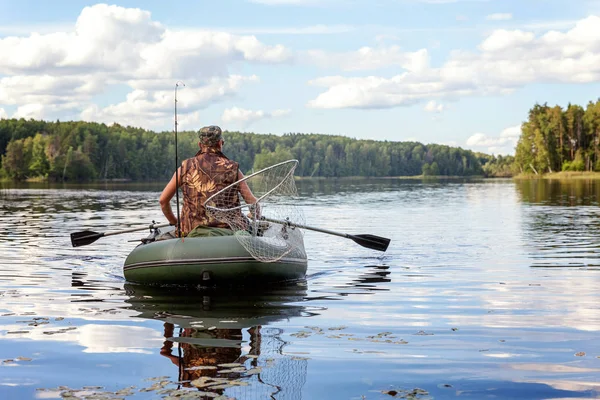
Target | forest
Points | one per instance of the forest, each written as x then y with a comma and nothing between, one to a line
555,139
76,151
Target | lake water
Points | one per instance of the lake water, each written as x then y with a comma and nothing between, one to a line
489,289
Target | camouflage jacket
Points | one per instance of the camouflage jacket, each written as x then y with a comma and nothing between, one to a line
202,176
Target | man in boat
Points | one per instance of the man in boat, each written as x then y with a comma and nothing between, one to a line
201,176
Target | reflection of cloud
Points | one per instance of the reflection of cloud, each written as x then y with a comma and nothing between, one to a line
574,386
119,339
96,338
501,355
533,308
552,368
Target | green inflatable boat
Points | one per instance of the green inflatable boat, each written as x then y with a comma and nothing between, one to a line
209,261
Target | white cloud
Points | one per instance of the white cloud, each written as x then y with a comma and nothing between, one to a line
451,1
505,61
287,2
386,37
281,112
32,110
151,108
434,107
105,37
299,30
375,92
112,45
46,89
3,113
538,26
503,39
503,144
245,117
25,29
189,121
499,17
512,133
204,53
368,58
481,140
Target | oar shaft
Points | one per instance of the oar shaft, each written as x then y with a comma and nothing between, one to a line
368,241
310,228
135,229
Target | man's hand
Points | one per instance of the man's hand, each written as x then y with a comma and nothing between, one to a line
254,211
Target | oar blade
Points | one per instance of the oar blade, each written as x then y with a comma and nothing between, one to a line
371,241
85,237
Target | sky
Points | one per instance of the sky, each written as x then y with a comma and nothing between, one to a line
457,72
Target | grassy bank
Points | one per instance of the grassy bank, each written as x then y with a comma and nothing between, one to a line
563,175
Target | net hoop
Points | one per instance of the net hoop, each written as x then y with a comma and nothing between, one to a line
247,178
275,190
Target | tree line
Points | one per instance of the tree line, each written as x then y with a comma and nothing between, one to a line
81,151
556,139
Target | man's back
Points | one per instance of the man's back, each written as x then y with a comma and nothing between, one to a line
202,176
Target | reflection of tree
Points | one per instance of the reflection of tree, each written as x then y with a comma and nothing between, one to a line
560,229
575,192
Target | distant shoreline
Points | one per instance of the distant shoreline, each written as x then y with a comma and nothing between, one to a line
298,178
563,175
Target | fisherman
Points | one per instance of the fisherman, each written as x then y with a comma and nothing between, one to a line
200,177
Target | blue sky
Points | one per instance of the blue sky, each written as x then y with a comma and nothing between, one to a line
457,72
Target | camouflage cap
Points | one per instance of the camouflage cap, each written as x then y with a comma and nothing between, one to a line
210,135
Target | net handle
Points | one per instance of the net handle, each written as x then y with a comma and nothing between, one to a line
291,171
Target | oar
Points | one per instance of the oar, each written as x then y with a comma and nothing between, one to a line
87,237
369,241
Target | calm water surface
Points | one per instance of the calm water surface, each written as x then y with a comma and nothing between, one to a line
489,289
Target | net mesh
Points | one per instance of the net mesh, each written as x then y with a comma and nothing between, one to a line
262,227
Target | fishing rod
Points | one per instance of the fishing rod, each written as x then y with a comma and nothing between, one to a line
177,162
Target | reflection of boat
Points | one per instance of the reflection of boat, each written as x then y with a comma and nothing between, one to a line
208,261
240,308
224,344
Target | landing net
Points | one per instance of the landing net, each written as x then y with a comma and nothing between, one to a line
277,197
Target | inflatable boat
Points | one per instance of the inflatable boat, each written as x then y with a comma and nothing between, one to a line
208,261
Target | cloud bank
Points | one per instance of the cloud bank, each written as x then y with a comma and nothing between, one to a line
112,46
505,60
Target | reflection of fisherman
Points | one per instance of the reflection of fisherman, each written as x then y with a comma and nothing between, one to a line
197,356
200,177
